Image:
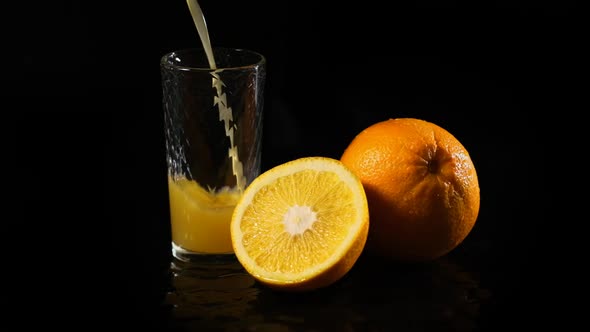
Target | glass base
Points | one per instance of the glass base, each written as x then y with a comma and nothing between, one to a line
187,256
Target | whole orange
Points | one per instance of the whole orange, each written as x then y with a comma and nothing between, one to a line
421,186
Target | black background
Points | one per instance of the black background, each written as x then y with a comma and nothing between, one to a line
89,149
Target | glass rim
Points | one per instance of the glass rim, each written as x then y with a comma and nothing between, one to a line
165,63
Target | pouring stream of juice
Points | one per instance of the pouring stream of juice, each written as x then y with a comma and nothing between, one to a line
225,112
200,217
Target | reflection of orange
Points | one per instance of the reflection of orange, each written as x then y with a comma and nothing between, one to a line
421,186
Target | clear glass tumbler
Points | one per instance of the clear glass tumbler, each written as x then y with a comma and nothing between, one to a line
213,130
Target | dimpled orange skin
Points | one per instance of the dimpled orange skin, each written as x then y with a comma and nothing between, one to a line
421,186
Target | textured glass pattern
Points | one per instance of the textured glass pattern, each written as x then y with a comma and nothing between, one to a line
197,144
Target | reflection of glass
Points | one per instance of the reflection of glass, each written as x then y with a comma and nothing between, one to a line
437,296
213,129
210,296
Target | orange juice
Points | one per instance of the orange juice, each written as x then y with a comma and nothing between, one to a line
200,218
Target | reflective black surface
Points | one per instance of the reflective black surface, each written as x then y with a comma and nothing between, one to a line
436,296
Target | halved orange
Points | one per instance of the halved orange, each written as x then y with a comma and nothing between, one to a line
301,225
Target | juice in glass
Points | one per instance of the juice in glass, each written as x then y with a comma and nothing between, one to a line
200,218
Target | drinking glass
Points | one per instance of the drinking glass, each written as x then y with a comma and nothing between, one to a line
213,132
